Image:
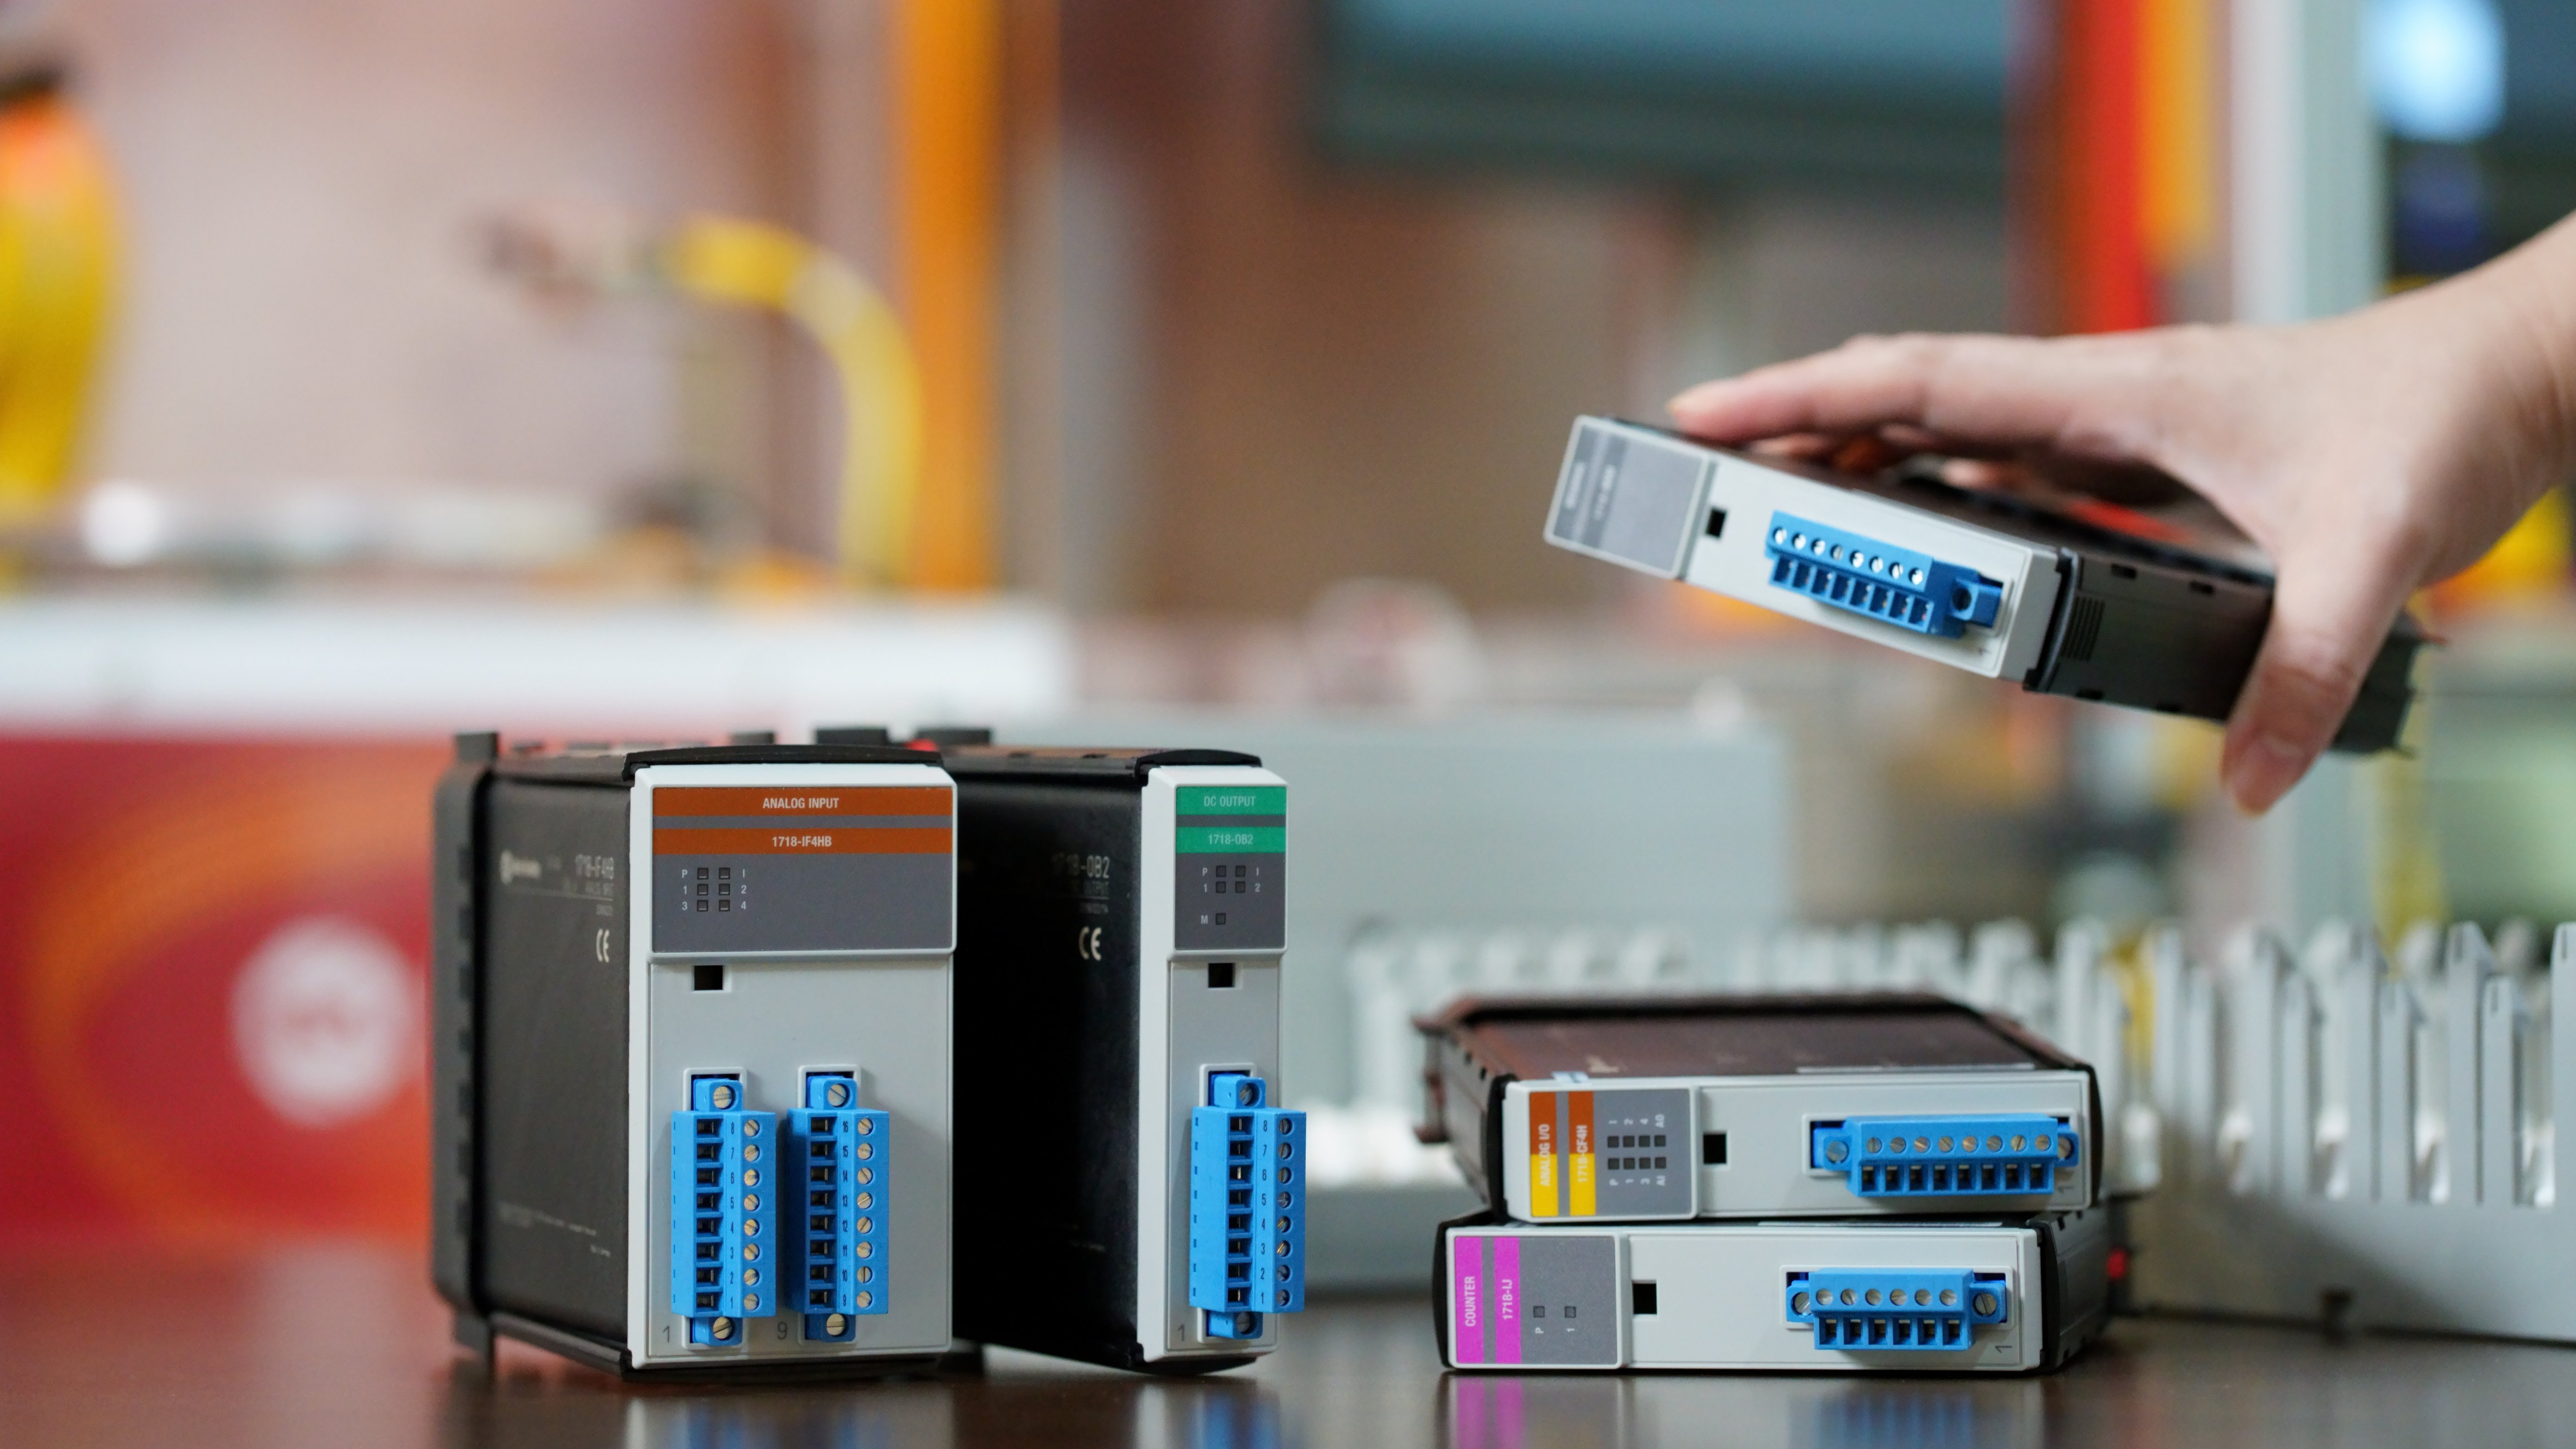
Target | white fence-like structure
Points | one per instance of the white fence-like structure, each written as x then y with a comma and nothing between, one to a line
2347,1139
2324,1133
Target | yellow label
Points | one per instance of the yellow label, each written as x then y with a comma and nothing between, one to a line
1542,1154
1579,1171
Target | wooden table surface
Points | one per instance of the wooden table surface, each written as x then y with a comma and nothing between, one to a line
343,1345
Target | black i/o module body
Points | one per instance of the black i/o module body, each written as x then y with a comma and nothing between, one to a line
1132,1193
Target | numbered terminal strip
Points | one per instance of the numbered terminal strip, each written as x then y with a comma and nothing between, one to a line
839,1150
1868,1310
724,1213
1247,1207
1962,1156
1897,585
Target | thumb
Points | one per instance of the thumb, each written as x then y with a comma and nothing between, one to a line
2331,609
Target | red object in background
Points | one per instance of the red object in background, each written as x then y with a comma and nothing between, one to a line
212,999
2081,137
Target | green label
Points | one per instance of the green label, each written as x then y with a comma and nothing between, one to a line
1233,839
1230,800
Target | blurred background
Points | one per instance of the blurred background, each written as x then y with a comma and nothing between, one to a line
1133,371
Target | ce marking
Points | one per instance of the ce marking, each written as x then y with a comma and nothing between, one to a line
1086,942
599,945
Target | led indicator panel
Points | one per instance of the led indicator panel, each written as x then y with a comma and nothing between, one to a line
1613,1152
803,868
1230,847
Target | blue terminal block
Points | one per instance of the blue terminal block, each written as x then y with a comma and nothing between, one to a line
1247,1207
724,1212
1971,1156
1896,1309
1893,585
841,1156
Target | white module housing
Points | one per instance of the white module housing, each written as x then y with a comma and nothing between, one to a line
1517,1299
1740,1147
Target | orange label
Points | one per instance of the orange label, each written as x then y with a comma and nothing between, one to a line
789,838
791,801
1542,1154
1578,1178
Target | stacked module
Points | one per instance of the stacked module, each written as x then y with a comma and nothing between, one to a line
1845,1183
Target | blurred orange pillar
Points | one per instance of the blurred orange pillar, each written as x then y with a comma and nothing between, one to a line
2114,127
948,124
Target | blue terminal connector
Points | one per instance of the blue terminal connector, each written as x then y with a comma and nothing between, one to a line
724,1212
1893,585
1872,1309
1994,1156
841,1172
1247,1207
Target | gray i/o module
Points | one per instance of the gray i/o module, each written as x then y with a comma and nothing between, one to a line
2009,1295
1995,584
692,1055
1572,1111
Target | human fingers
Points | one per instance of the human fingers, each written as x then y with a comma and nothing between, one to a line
2097,396
2330,615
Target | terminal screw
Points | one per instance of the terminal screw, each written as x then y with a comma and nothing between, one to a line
837,1094
722,1328
1836,1151
1984,1303
722,1096
836,1325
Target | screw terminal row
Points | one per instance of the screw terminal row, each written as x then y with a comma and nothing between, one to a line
1247,1207
765,1221
1899,586
724,1211
2014,1154
1895,1309
840,1149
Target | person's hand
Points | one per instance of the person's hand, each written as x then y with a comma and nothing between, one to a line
2367,455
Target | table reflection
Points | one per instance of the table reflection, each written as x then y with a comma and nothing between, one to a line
1745,1411
530,1400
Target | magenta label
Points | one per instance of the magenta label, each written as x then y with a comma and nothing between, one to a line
1467,1319
1505,1309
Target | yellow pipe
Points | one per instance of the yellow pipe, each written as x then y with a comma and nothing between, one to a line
754,264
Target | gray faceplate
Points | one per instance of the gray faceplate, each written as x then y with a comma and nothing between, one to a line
772,1022
1569,1299
1547,1299
1643,1156
775,1017
1629,498
1233,902
800,903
